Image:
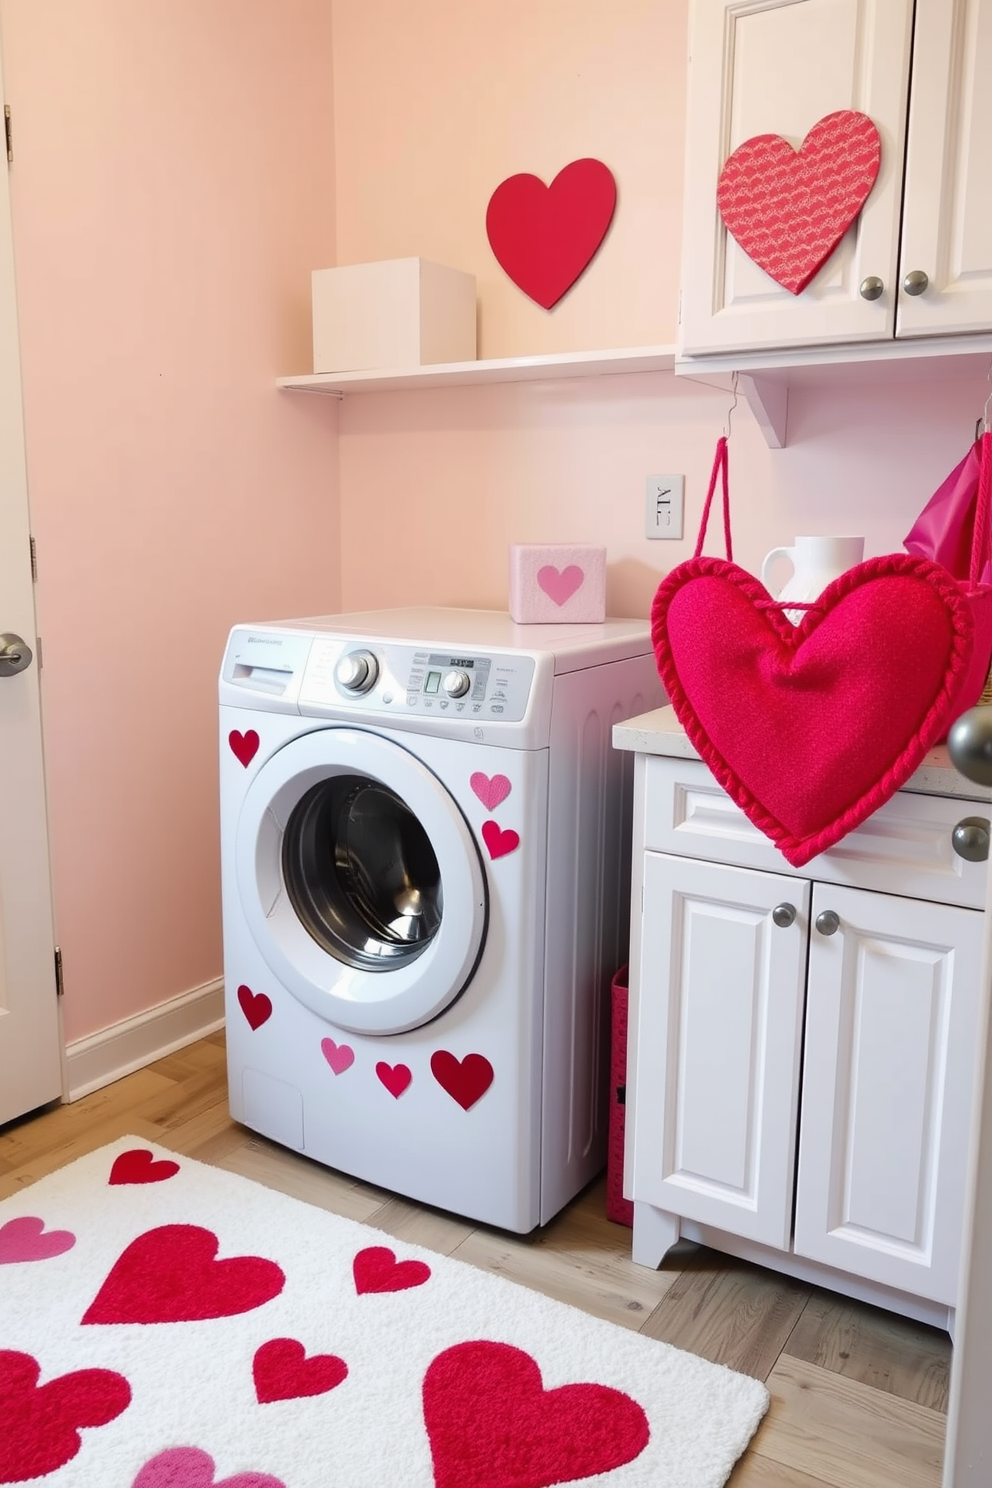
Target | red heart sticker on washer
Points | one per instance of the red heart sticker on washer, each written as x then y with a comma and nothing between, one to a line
244,746
395,1077
256,1007
498,841
465,1080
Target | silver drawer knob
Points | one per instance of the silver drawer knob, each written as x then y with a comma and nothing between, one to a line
784,915
970,839
970,745
872,288
915,282
828,922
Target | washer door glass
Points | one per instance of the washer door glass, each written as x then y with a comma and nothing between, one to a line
360,881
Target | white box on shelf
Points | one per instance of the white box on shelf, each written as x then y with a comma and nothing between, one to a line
402,312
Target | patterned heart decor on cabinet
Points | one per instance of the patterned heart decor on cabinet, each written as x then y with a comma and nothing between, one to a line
545,237
788,209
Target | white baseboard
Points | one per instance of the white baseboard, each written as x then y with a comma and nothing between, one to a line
119,1050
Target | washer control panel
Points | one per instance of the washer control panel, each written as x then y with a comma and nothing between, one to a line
410,680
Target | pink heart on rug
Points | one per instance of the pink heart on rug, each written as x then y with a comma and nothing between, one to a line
339,1056
256,1007
376,1269
492,1424
188,1467
26,1239
809,728
543,237
139,1166
465,1080
40,1424
498,841
788,209
395,1077
560,586
171,1275
244,746
490,790
282,1371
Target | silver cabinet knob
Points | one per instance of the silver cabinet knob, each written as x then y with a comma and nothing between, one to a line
783,915
455,684
357,671
969,744
872,288
15,655
827,922
970,839
915,282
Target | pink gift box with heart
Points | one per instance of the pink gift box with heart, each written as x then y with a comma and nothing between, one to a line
551,583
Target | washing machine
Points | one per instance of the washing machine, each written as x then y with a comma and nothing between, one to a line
425,873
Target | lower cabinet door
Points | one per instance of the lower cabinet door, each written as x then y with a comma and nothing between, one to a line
719,996
888,1083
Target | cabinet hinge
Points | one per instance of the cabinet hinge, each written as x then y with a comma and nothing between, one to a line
34,560
6,132
59,981
41,654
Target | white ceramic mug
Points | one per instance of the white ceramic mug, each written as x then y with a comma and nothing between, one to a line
816,562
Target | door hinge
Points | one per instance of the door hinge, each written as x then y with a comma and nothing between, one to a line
6,131
59,979
34,560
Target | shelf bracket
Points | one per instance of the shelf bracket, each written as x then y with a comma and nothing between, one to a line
769,402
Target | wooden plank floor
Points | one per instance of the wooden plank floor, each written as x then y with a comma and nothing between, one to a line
859,1396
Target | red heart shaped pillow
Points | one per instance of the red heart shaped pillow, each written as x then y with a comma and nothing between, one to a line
810,728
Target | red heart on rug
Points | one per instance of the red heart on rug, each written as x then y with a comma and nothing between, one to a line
395,1077
26,1239
376,1269
466,1079
498,841
188,1467
810,728
245,746
492,1424
788,209
544,236
40,1424
490,791
339,1056
282,1371
139,1166
560,584
256,1007
171,1275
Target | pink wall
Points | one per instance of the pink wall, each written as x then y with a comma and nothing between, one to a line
172,188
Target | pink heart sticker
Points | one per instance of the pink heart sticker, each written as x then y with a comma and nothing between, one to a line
395,1077
498,841
25,1239
256,1007
244,746
490,790
282,1371
188,1467
376,1269
139,1166
339,1056
560,585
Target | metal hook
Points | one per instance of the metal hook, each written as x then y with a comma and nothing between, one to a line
983,423
730,411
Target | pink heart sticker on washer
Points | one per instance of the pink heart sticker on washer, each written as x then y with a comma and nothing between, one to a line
339,1056
490,789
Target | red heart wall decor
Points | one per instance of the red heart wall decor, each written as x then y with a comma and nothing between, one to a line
810,728
543,237
788,209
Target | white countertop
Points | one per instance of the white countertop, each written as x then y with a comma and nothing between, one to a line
659,732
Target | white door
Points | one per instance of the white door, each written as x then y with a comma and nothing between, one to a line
720,1007
892,1020
778,67
30,1066
947,210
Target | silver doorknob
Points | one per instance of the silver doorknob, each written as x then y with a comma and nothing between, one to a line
969,744
915,282
15,655
872,288
970,839
783,915
827,922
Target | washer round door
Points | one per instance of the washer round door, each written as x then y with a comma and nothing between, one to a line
360,881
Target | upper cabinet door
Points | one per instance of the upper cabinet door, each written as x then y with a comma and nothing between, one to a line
777,67
947,209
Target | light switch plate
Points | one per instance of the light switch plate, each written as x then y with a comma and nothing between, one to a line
664,506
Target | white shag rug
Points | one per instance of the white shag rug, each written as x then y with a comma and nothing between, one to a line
164,1324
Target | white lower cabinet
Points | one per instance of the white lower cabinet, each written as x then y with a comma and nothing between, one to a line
803,1042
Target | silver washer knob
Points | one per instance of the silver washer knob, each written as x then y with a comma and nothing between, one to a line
828,922
915,282
356,671
783,915
455,684
871,288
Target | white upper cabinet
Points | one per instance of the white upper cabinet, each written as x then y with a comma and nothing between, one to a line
778,67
